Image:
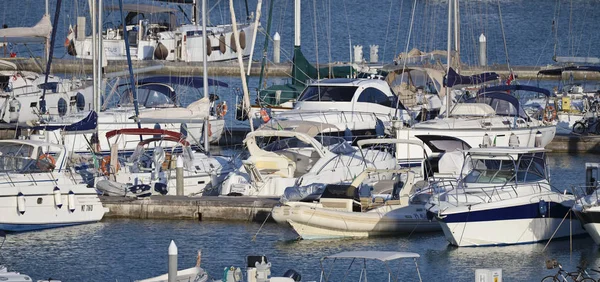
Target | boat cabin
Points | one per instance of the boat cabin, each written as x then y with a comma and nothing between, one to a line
344,94
500,166
141,21
29,156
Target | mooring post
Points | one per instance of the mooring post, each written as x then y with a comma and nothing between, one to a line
179,175
482,51
172,262
276,48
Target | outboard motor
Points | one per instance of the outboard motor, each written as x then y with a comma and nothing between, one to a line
290,273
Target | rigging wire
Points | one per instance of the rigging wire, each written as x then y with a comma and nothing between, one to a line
504,38
398,30
412,18
387,29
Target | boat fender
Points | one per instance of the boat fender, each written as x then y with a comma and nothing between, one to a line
232,43
543,206
208,46
21,203
71,199
264,115
161,52
71,48
242,40
222,46
57,197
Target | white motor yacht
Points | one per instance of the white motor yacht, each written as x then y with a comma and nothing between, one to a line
39,190
356,107
150,169
503,197
493,117
587,207
297,158
154,35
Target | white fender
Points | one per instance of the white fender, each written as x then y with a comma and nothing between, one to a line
57,197
71,199
21,203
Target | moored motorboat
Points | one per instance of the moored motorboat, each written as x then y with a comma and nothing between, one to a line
39,190
587,207
297,158
340,211
503,197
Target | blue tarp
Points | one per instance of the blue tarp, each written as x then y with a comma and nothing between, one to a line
515,87
90,122
453,78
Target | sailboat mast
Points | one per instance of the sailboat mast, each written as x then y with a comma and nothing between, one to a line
47,49
297,23
195,12
256,22
449,58
266,45
94,54
100,58
457,34
204,55
241,64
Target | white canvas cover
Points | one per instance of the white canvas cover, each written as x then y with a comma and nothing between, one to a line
195,111
452,162
42,29
473,109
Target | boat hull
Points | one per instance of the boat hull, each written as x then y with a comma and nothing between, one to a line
590,219
508,225
320,223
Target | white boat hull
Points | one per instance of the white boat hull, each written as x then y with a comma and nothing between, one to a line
40,210
321,223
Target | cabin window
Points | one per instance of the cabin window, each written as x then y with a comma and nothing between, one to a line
62,107
40,201
328,93
375,96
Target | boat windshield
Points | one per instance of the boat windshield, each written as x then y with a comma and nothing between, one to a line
149,96
529,167
336,145
326,93
17,158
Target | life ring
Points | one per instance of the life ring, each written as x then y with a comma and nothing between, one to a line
221,109
549,113
264,115
47,157
105,166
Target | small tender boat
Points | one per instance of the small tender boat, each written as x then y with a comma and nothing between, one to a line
503,197
300,159
340,211
39,190
151,167
587,207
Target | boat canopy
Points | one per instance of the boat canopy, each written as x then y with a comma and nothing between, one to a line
376,255
502,103
253,148
442,143
163,16
559,71
144,131
192,81
505,165
453,78
141,8
151,96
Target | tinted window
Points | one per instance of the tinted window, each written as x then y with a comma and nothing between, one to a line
328,93
375,96
80,99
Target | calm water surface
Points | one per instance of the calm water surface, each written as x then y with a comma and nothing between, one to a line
126,250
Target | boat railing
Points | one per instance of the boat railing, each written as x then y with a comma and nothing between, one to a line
488,194
343,116
586,195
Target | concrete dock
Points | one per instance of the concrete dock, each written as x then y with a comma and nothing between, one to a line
192,208
231,68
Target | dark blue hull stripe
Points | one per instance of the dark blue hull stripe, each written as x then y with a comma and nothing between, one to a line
31,227
551,210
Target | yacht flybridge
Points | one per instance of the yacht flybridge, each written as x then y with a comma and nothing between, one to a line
503,197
